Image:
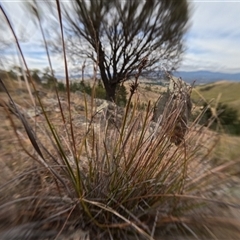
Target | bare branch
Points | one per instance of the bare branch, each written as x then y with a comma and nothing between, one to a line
117,35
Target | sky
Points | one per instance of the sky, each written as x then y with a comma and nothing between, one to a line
212,41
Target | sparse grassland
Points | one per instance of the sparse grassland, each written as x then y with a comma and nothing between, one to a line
147,92
223,91
121,183
227,148
72,170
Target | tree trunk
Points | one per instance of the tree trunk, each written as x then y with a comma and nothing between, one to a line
109,87
111,93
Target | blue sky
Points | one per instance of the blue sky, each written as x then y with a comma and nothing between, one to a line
212,42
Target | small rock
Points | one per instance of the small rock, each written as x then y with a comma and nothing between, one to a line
79,108
99,102
33,112
80,120
83,95
102,107
39,93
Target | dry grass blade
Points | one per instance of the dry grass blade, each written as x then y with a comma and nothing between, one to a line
21,53
26,125
106,208
66,74
114,172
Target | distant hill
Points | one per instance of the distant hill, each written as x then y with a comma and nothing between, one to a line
226,91
199,76
206,76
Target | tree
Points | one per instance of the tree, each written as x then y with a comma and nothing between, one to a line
50,80
123,36
12,74
35,75
18,71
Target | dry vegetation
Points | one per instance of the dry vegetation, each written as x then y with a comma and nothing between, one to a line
70,172
156,190
148,92
223,91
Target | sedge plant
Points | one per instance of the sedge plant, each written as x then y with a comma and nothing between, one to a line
109,181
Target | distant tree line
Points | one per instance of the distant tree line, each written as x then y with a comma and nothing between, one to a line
42,77
47,80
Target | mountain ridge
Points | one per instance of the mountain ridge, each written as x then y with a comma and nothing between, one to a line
206,76
199,77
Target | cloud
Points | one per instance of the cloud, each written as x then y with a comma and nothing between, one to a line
213,38
216,17
212,42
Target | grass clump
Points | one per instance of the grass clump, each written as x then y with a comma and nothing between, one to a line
107,180
110,182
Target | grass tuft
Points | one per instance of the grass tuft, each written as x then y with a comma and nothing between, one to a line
110,179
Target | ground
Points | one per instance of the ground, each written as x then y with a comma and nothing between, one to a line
13,159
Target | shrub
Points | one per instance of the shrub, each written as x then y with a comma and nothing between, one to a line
76,86
222,118
61,87
121,95
12,75
148,88
100,91
80,86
